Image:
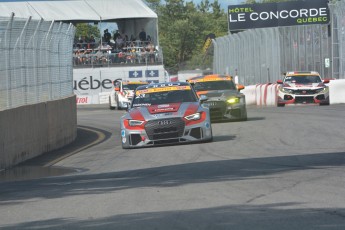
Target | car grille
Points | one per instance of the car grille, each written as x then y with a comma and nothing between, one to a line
165,128
212,104
217,109
304,92
304,99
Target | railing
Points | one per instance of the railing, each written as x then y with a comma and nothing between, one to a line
106,59
107,55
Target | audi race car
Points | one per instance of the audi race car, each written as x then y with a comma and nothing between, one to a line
123,93
302,88
224,98
165,113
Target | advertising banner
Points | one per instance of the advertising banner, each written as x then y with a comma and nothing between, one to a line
92,85
252,16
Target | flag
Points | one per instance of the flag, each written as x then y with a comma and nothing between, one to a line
151,73
135,74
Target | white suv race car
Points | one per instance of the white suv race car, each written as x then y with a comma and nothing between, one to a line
302,88
123,93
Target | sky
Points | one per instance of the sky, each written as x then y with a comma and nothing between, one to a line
224,3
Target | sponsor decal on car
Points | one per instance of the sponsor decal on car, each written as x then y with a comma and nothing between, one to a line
163,89
123,133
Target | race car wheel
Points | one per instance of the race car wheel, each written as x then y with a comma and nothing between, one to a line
244,116
210,140
280,105
327,103
117,104
111,107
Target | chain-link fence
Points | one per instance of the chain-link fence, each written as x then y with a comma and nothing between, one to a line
338,39
37,61
262,55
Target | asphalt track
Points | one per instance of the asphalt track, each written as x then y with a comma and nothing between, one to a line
281,169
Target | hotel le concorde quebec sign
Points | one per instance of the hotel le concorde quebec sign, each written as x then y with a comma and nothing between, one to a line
303,12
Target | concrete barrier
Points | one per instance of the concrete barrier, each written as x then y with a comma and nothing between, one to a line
337,91
250,92
30,130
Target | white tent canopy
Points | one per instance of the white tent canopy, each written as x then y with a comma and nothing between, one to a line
130,15
77,10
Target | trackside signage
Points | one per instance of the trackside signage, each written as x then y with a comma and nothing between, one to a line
92,85
251,16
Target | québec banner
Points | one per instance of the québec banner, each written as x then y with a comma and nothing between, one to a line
252,16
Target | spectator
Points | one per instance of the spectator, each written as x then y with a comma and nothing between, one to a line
83,42
150,48
92,42
142,35
119,43
116,35
107,36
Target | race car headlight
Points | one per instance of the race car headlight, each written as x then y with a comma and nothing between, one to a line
135,122
233,100
322,90
195,116
285,90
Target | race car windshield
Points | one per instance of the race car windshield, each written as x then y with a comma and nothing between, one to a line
131,86
214,85
303,79
165,97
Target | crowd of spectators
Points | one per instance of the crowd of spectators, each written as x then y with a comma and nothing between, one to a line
115,49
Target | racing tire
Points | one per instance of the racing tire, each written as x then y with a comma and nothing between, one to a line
280,105
322,104
244,117
117,104
210,140
111,107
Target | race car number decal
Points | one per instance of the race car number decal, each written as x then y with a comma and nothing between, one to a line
165,89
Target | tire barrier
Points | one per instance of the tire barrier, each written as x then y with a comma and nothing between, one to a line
266,94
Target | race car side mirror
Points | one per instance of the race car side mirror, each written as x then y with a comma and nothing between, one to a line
240,87
279,82
203,98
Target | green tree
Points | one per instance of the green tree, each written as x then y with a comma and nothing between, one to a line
183,27
85,29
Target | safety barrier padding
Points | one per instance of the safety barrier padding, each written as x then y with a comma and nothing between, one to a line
337,91
266,94
30,130
250,93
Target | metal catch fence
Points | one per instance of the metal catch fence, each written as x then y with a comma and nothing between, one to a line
37,61
338,39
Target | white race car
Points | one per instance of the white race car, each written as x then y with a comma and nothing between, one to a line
123,93
303,87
